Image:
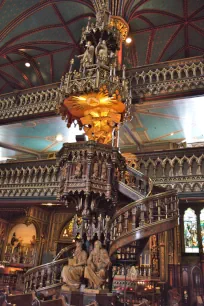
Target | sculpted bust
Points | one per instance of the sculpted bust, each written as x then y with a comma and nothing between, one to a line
97,266
73,272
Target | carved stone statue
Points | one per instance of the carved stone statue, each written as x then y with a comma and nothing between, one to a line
73,272
87,58
101,52
97,266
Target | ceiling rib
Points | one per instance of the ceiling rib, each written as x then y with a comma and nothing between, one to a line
173,36
59,15
185,15
18,149
176,53
150,46
19,70
35,8
155,11
196,12
51,68
5,75
136,7
34,65
146,20
197,29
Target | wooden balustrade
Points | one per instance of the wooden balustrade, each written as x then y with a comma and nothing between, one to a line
168,77
44,276
48,275
143,218
137,181
181,169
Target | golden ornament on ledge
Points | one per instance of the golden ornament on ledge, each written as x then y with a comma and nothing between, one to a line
121,25
98,113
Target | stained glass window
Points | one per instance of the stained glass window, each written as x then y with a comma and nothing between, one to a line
190,231
202,227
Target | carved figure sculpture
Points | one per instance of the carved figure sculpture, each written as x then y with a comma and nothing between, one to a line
95,170
78,170
103,172
113,58
101,52
87,58
97,266
73,272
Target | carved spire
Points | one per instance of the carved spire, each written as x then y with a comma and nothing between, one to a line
100,5
115,7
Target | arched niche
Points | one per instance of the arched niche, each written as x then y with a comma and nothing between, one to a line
150,170
22,246
190,231
197,280
142,168
194,167
185,168
185,278
159,170
167,169
176,168
71,230
23,233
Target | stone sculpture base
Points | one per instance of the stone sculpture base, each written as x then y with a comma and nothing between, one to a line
88,296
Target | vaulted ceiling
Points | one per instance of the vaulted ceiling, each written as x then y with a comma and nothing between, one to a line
46,34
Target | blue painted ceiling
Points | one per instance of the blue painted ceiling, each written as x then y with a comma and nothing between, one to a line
153,122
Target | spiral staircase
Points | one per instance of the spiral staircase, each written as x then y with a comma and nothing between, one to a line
150,213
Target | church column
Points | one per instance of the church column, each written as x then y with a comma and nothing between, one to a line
120,54
177,258
163,257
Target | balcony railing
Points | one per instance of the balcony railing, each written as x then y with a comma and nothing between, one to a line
29,179
168,78
182,169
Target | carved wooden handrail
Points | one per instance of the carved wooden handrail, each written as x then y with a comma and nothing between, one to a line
142,182
129,191
64,250
143,218
46,276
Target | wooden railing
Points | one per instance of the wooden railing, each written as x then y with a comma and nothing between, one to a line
167,78
139,181
41,178
172,77
135,184
181,169
46,276
143,218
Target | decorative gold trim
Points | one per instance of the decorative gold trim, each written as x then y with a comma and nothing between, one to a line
121,25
